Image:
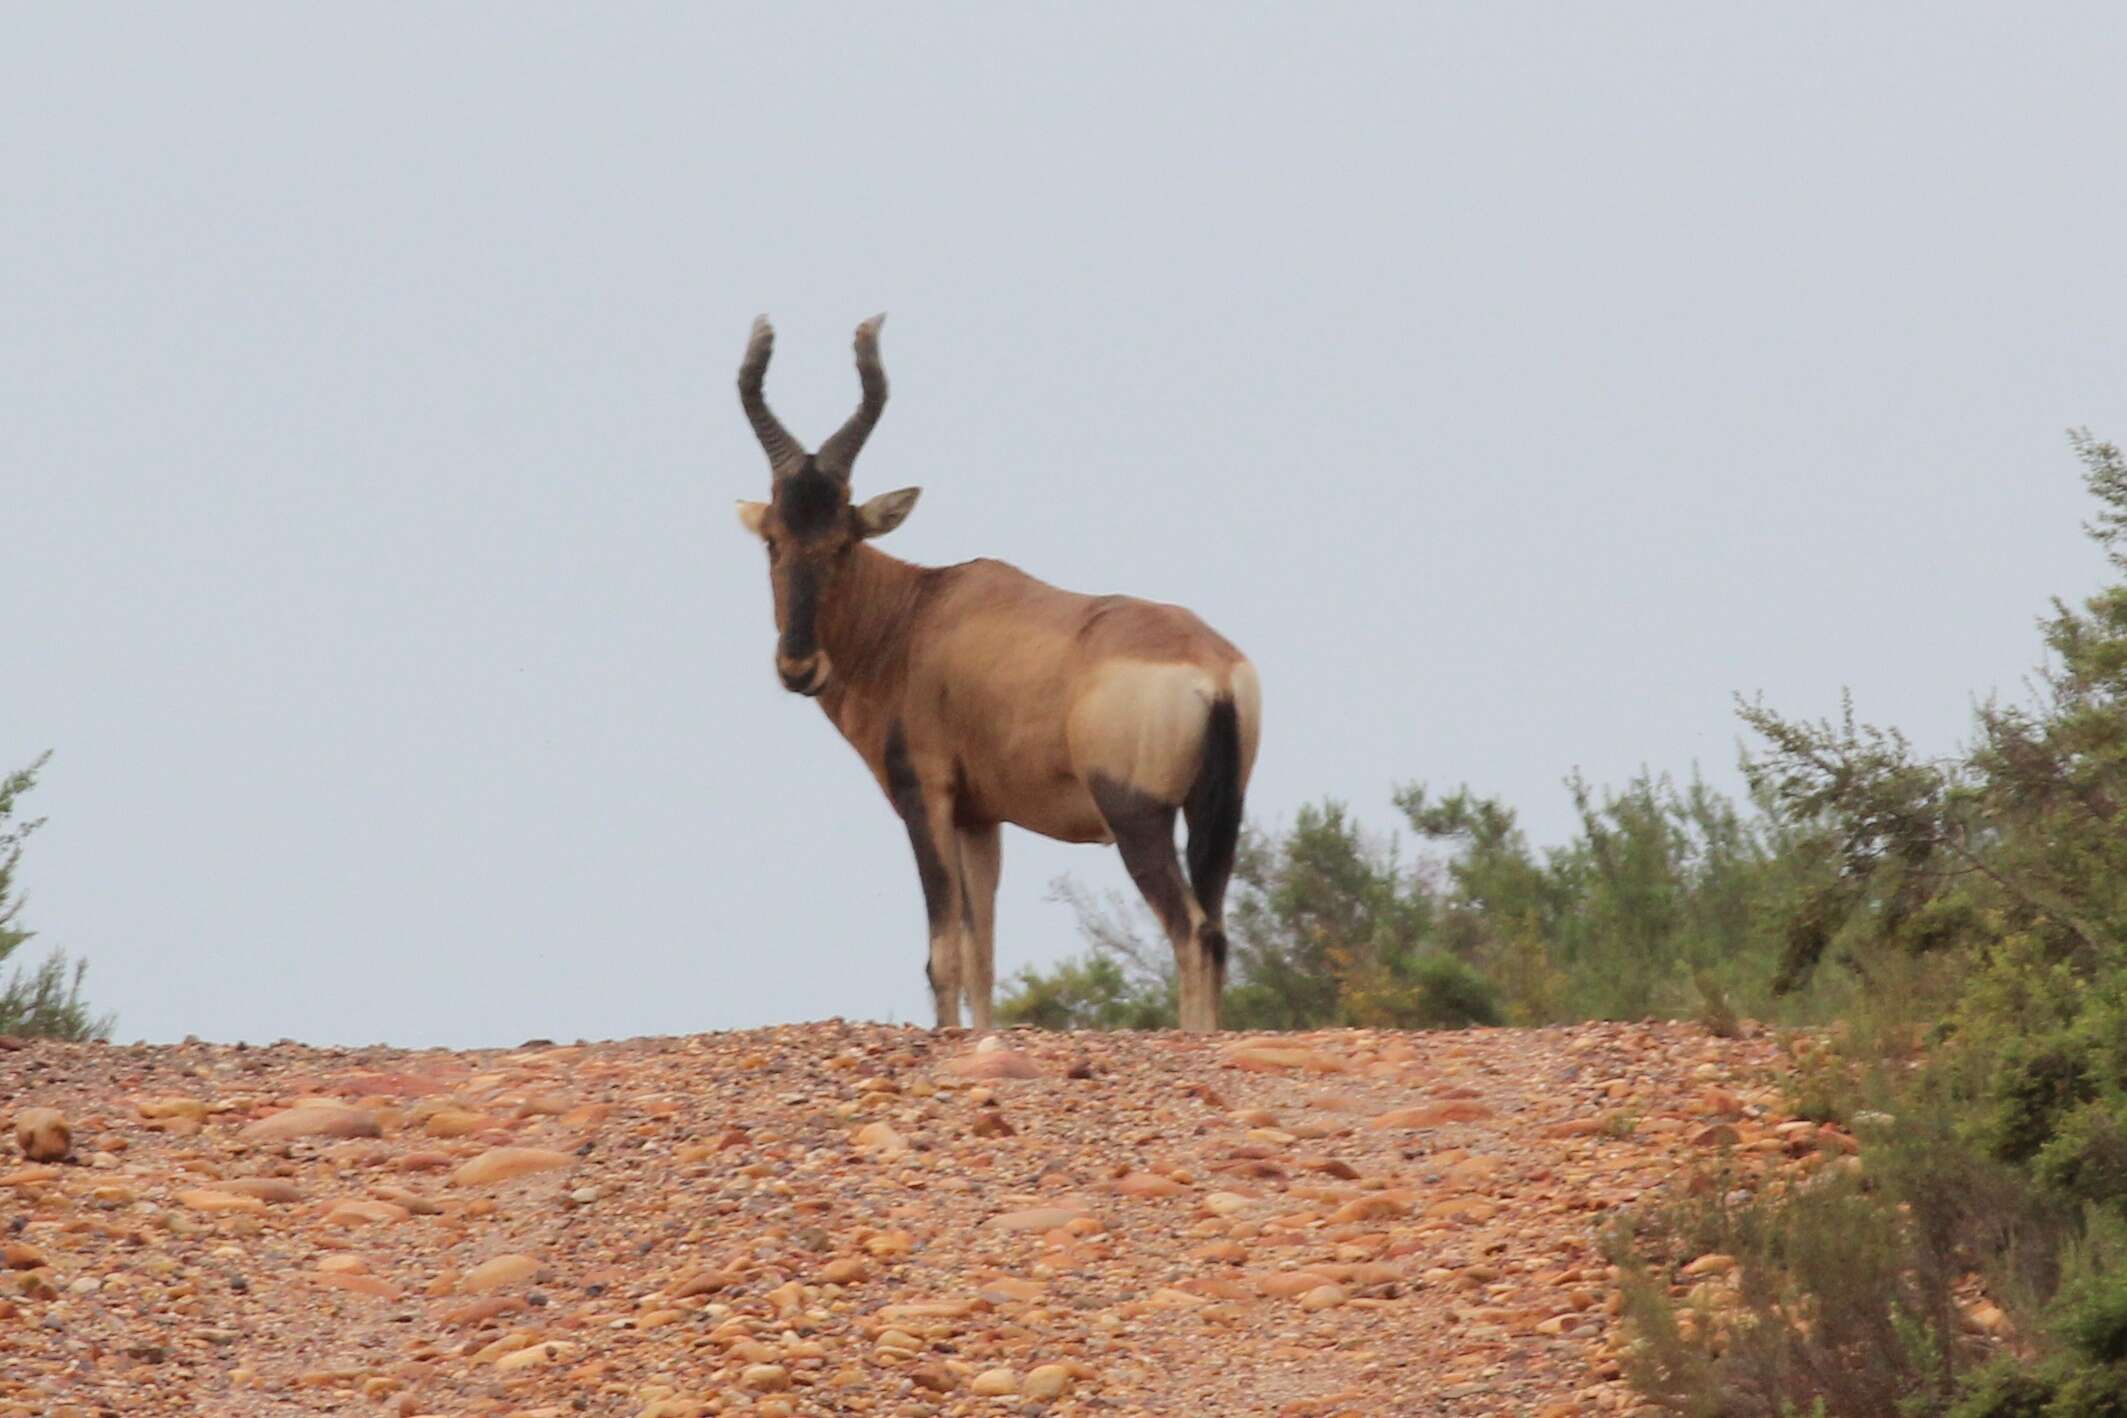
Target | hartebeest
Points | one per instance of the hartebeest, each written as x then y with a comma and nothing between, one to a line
978,695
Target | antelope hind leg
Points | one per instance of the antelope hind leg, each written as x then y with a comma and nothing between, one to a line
1144,834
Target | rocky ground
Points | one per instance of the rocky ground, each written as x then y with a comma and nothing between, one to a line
835,1219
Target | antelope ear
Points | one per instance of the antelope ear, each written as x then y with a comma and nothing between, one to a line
751,515
886,511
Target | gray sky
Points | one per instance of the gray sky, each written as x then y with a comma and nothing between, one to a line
1512,383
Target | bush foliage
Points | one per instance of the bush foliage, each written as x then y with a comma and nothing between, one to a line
48,1000
1664,902
1960,921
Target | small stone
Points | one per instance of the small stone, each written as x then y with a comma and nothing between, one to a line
499,1273
481,1311
501,1164
1048,1381
1287,1284
271,1189
43,1134
1037,1218
1323,1297
157,1108
533,1356
312,1120
1471,1171
1147,1184
1460,1110
995,1383
847,1271
365,1213
994,1063
702,1282
414,1202
456,1122
1273,1058
17,1256
934,1377
1465,1208
1376,1206
764,1378
360,1285
880,1140
888,1245
202,1199
31,1176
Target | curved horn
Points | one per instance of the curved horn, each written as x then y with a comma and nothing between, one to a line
839,452
784,452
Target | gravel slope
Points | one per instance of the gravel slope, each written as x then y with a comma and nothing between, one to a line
835,1218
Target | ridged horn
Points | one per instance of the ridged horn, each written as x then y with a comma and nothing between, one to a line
785,453
838,453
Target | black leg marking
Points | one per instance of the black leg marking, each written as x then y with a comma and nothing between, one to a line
1214,941
1144,834
906,794
967,902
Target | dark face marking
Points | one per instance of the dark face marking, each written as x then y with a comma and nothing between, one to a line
906,793
801,616
810,503
809,531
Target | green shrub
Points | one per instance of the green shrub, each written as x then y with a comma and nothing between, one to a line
2005,1389
45,1001
48,1003
1831,1302
1090,992
2086,1157
2090,1314
1447,994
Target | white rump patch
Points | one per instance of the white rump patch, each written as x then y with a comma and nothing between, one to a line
1141,723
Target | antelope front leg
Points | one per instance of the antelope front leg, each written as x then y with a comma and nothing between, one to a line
937,849
928,815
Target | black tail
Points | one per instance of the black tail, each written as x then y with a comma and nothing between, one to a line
1213,812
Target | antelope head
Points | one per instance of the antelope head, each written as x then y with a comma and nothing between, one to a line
808,524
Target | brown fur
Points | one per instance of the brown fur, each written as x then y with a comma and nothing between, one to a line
978,695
